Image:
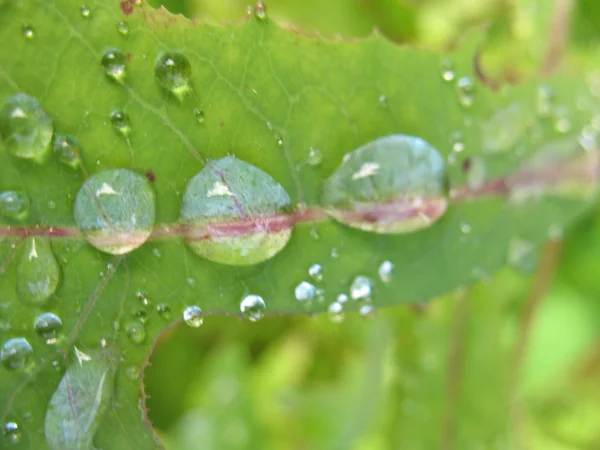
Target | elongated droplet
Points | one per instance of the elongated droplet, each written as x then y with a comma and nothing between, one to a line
193,317
38,273
26,128
235,213
11,433
48,327
14,205
173,71
115,210
16,353
465,89
260,10
123,28
385,271
120,122
395,184
66,149
253,307
113,62
136,332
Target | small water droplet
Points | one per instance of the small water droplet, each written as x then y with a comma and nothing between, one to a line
334,253
14,205
316,272
28,31
562,119
123,28
315,157
26,128
361,288
260,10
191,282
556,232
279,140
465,228
16,353
314,234
192,315
120,122
142,297
157,253
48,326
465,89
476,174
457,142
38,272
113,62
164,311
253,307
11,432
173,71
85,12
342,298
367,311
136,332
115,210
199,115
447,69
385,271
383,101
133,373
521,255
335,311
305,292
544,101
66,149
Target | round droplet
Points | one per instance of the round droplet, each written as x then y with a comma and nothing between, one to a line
173,71
447,69
235,213
395,184
544,101
386,271
335,312
562,119
66,149
457,142
115,210
367,311
253,307
383,101
120,122
48,327
260,10
361,288
465,89
85,12
26,128
133,373
199,115
16,353
11,432
521,255
14,205
136,332
142,297
305,292
164,311
192,315
38,272
123,28
28,31
342,298
113,62
316,272
315,157
279,140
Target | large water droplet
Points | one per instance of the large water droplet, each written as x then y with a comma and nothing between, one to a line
48,327
465,89
11,432
136,332
173,71
66,149
16,353
115,210
361,288
395,184
305,292
253,307
14,205
235,213
192,315
335,312
120,122
113,62
38,272
26,128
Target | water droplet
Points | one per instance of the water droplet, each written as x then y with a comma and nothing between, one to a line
335,311
315,157
199,115
173,71
521,255
48,326
14,205
385,271
342,298
465,228
123,28
26,128
395,184
235,213
505,127
11,432
260,10
133,373
136,332
279,140
193,316
16,353
305,292
457,141
66,149
253,307
28,31
383,101
476,174
142,298
314,234
113,62
562,119
544,100
38,273
120,122
85,12
157,253
334,253
164,311
465,89
447,69
115,210
367,311
361,288
316,272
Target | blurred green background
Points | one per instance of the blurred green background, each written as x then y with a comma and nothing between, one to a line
511,363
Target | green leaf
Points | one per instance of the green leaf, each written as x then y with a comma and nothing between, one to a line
269,97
